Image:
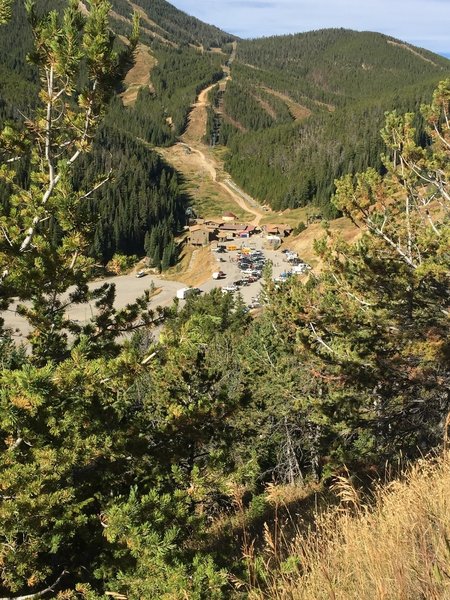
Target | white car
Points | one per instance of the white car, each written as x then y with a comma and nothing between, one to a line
141,274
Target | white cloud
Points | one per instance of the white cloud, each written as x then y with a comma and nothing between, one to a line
423,23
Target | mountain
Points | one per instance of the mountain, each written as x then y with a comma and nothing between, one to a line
162,21
298,112
145,202
304,109
161,24
191,451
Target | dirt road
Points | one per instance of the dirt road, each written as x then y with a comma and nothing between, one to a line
243,200
192,143
211,166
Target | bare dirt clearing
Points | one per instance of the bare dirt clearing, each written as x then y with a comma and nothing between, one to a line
409,49
297,111
197,119
196,267
205,177
139,75
114,15
210,199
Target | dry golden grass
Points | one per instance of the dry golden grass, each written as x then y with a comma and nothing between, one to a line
139,75
210,199
196,266
217,51
303,243
400,549
290,216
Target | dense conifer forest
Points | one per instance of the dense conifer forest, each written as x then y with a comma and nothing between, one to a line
159,117
342,83
186,452
172,25
144,201
291,125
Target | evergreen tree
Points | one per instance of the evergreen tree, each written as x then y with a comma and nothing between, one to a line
36,264
373,327
115,461
5,11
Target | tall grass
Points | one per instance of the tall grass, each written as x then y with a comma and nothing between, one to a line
395,548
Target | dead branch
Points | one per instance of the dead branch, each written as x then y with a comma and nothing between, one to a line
48,589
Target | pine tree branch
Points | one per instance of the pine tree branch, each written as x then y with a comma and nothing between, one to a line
6,236
363,303
438,133
97,186
54,179
50,588
4,275
320,340
375,229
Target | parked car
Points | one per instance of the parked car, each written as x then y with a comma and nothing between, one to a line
141,274
230,289
186,292
254,305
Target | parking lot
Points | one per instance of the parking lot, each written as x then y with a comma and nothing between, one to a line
242,273
243,268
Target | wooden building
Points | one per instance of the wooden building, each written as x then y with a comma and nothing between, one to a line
199,236
277,230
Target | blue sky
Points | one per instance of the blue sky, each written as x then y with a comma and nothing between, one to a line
424,23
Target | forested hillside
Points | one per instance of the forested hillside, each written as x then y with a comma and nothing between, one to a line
158,465
305,109
160,116
299,111
18,78
162,21
144,200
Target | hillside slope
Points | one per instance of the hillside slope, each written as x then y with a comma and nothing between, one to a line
398,549
336,66
307,108
145,200
296,112
162,21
